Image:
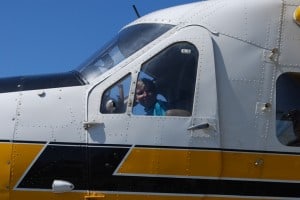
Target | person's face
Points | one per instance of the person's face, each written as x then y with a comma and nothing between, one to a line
144,96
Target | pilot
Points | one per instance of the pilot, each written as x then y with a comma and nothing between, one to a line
146,95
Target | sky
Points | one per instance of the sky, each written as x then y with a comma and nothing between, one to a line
51,36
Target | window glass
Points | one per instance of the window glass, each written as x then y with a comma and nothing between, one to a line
127,42
115,98
166,83
288,109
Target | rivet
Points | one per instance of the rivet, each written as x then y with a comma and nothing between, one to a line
259,162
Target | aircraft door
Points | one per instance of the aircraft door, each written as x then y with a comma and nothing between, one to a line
151,112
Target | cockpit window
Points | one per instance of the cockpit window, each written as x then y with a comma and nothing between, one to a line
127,42
166,82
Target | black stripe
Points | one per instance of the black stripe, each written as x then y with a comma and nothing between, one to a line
6,141
23,141
58,162
14,84
185,148
71,163
29,142
158,147
85,144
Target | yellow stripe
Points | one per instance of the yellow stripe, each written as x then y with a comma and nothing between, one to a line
14,160
172,162
5,163
179,162
23,156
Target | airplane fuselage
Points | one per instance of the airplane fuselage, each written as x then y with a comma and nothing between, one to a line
224,124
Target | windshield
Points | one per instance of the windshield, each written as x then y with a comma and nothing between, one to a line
127,42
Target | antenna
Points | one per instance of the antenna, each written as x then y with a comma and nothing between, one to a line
136,11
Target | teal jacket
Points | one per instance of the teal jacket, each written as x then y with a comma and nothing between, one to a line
159,109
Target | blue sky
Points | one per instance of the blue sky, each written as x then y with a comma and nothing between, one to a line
49,36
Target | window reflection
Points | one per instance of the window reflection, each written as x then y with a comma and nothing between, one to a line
115,98
126,43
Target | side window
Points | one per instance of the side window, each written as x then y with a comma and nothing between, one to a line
288,109
166,83
115,98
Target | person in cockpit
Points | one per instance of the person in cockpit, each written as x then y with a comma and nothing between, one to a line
146,95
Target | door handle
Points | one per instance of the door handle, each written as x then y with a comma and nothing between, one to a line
199,126
89,124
